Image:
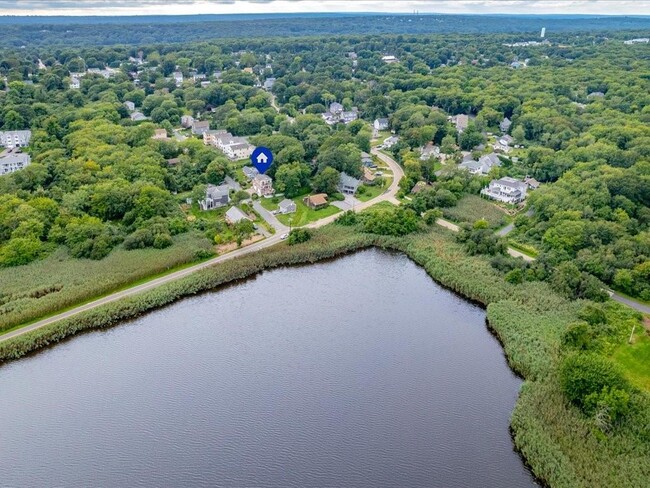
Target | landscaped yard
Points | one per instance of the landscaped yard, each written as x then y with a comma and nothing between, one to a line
303,215
471,208
371,192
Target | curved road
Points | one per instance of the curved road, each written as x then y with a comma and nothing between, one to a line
388,196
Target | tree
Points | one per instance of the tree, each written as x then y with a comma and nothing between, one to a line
291,178
297,236
327,181
217,171
20,250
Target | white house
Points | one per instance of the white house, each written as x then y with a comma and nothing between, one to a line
178,78
461,122
507,190
380,124
15,138
130,106
390,141
505,125
215,197
10,162
390,59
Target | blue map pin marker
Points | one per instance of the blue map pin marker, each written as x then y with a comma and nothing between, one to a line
262,158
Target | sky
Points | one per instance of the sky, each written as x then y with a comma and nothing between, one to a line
187,7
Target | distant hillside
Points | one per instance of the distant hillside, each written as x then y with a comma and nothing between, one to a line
76,31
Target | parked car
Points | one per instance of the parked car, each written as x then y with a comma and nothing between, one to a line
284,236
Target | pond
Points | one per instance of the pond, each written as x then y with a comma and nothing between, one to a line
360,371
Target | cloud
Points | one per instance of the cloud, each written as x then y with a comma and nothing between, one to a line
183,7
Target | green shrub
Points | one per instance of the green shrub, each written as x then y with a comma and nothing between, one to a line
347,218
296,236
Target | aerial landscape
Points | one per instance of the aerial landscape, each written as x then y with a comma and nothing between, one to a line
325,244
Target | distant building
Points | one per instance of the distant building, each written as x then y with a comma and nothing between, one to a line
505,125
368,176
263,185
531,183
430,151
15,138
418,187
250,172
75,82
287,206
461,122
380,124
347,184
138,117
390,142
233,147
503,144
507,190
159,134
215,197
178,78
268,84
235,215
10,162
596,94
390,59
639,40
187,121
316,202
200,126
336,108
130,106
366,160
543,33
482,166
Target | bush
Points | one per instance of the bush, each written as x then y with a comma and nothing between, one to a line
20,250
296,236
430,216
347,218
587,378
391,222
139,239
161,241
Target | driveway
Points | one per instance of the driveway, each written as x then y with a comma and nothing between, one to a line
270,218
348,204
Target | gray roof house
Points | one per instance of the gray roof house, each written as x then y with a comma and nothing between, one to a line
250,172
381,124
348,184
482,166
13,162
130,106
138,117
507,190
200,126
234,215
215,197
336,108
287,206
268,83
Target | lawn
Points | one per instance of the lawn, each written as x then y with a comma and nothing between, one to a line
635,359
371,192
59,281
471,208
303,215
383,135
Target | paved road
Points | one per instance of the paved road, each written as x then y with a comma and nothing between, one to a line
388,195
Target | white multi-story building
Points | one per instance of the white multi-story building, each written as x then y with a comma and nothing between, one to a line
232,146
507,190
15,138
13,162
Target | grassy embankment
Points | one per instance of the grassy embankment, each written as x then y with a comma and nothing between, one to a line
471,208
564,447
59,282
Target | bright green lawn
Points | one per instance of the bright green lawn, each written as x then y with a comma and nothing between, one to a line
635,359
471,208
374,191
303,216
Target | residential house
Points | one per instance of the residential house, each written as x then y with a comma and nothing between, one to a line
187,121
430,151
336,108
138,117
248,70
232,184
215,197
106,72
368,177
75,82
15,138
178,78
200,126
506,189
263,185
503,144
235,215
130,106
390,59
348,184
349,116
505,125
531,183
638,40
173,162
250,172
482,166
419,186
239,150
287,206
380,124
596,94
205,83
366,160
316,202
210,136
159,134
268,84
390,141
461,122
10,162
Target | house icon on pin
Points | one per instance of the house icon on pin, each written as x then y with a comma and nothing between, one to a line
262,158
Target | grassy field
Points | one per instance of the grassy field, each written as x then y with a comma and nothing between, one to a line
471,208
59,281
635,359
374,191
303,215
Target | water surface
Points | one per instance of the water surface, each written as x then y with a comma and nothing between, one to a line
356,372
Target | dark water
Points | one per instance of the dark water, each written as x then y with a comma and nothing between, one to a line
360,372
